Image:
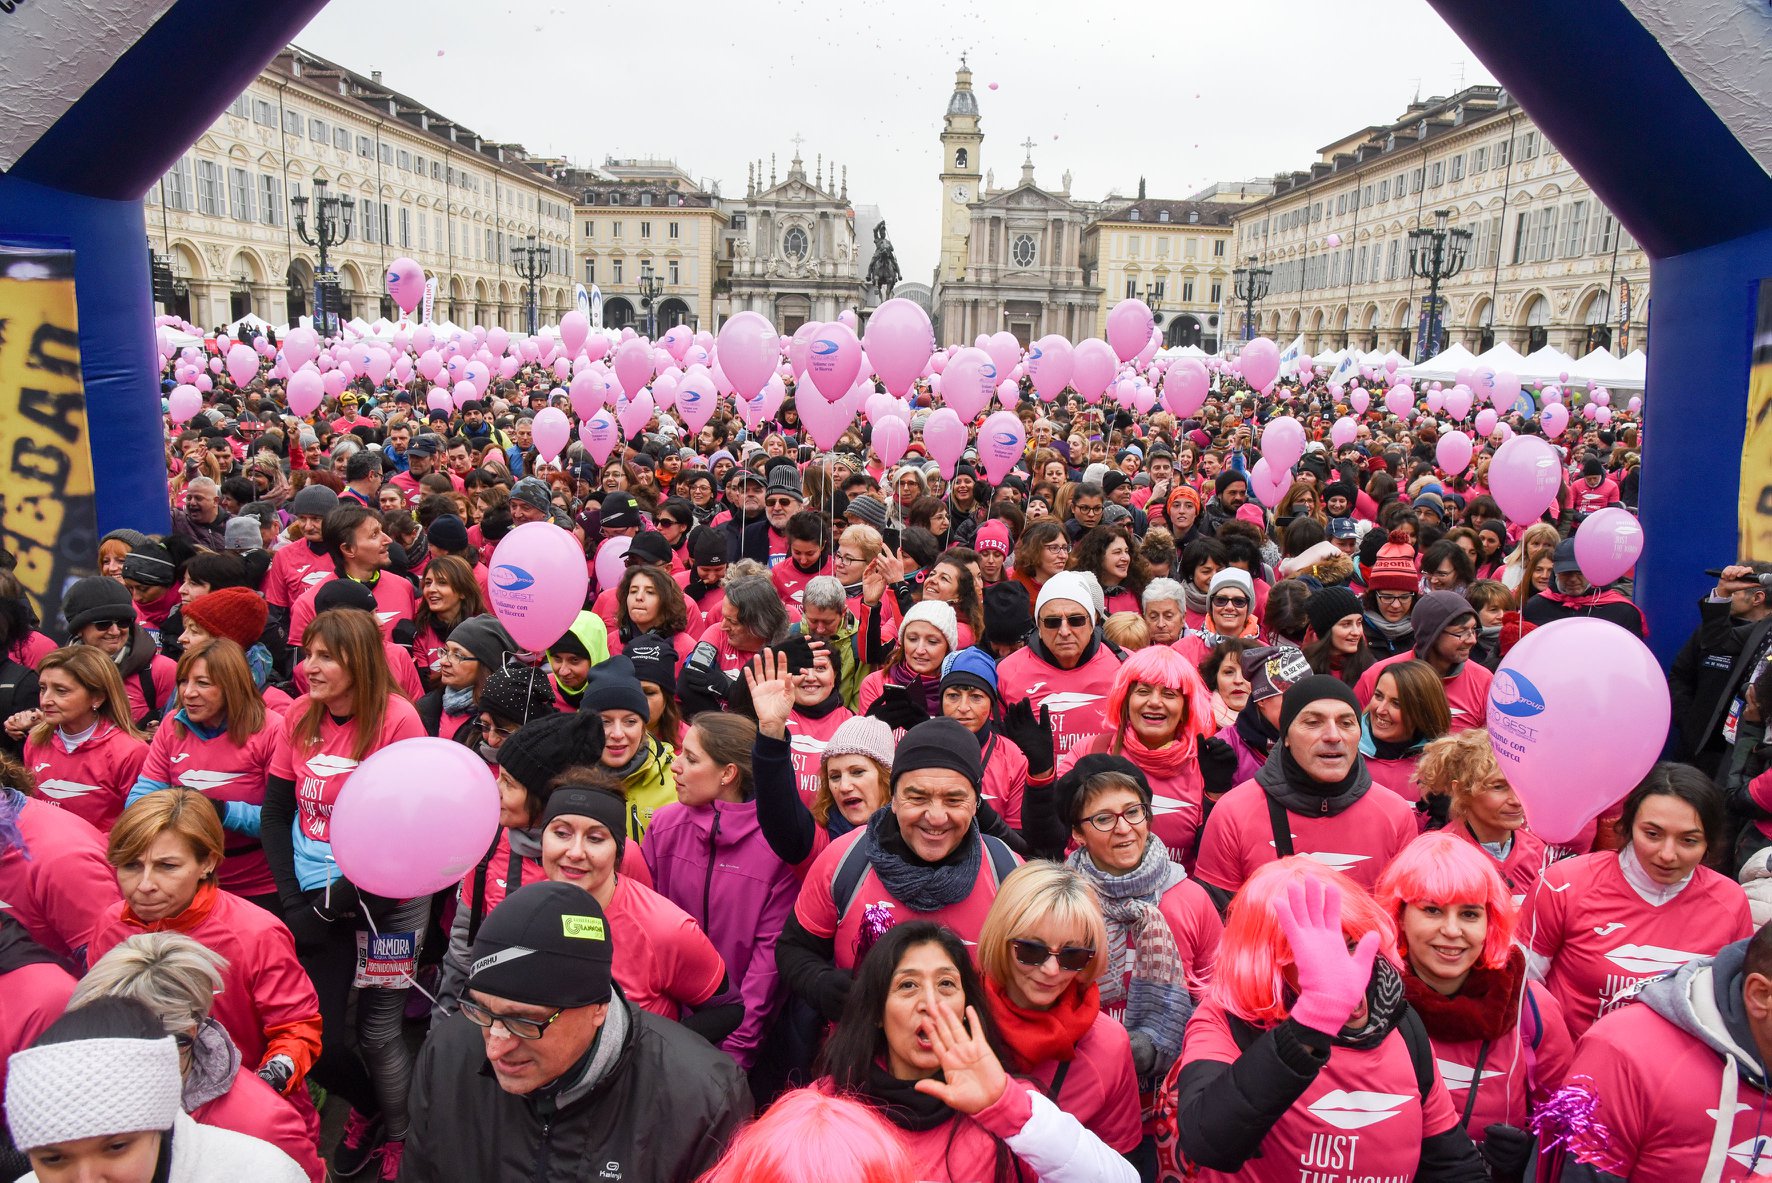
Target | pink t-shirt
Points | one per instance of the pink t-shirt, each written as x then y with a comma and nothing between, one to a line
1603,939
32,648
1658,1089
1177,798
1467,691
295,570
1194,923
727,658
816,909
1513,1065
1360,841
664,961
394,600
807,738
163,677
92,781
221,771
321,771
790,582
61,890
1396,775
1100,1088
1077,698
1361,1119
1005,778
1525,862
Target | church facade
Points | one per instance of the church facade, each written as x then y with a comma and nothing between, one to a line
793,248
1011,258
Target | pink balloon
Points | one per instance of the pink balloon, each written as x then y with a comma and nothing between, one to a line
1608,544
537,583
586,394
633,365
184,402
464,393
833,359
1603,416
574,328
1129,326
847,319
1436,401
825,419
1334,240
1486,420
612,560
1092,367
596,346
334,382
1360,400
1635,405
696,399
306,388
1261,363
968,381
1282,442
1400,400
1577,715
1268,483
1009,394
1507,389
945,437
438,795
376,363
1005,351
1343,431
899,342
1524,478
599,435
1185,387
551,433
406,284
749,348
1453,452
438,399
1050,362
215,365
1555,418
1000,444
639,410
891,438
300,347
242,364
1458,402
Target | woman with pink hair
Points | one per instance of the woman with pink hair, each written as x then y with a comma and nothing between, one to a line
1500,1041
1159,713
1304,1059
809,1136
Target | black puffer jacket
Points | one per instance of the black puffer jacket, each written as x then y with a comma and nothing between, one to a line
656,1106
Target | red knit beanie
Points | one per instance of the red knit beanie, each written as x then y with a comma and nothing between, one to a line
236,613
1397,567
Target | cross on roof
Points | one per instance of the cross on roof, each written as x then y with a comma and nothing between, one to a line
1029,145
796,141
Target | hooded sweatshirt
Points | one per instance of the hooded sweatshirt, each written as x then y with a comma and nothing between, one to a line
1346,827
1666,1070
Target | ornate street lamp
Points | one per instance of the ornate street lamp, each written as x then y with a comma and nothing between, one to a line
1250,283
1436,253
332,226
531,262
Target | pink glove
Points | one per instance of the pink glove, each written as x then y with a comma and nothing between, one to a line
1331,981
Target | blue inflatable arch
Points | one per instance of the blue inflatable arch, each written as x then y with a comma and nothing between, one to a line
1646,98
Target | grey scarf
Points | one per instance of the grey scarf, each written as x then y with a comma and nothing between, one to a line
1157,999
215,1061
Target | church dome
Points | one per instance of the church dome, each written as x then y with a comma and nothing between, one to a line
964,102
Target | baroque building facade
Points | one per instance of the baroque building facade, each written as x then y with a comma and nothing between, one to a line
1547,264
424,186
794,254
647,236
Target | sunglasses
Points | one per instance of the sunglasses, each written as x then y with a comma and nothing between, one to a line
1230,602
1035,954
781,503
111,626
1053,623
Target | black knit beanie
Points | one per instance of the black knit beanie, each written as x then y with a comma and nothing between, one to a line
1313,689
538,751
938,743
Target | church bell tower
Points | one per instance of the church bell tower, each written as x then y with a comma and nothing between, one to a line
961,143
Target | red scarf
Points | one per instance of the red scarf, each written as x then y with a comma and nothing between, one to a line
1484,1007
1038,1037
1166,761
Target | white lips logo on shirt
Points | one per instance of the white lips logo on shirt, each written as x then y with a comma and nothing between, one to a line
1649,959
324,765
61,790
1166,805
204,780
808,744
1356,1110
1329,858
1752,1152
1459,1076
384,617
313,577
1063,701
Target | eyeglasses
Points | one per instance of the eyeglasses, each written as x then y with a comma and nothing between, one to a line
479,1016
1461,634
663,522
1105,821
1395,599
459,656
1075,620
1230,601
1035,954
843,558
1058,548
780,502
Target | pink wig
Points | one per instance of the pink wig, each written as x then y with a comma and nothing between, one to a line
1249,979
1441,868
809,1136
1159,665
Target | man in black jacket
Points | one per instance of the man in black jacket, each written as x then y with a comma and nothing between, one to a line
1710,676
548,1073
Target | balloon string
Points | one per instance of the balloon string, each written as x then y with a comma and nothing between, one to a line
410,979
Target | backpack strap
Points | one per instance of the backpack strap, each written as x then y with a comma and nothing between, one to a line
1421,1051
155,710
1277,818
477,905
1002,859
847,879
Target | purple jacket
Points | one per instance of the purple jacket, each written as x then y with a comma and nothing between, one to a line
713,862
1248,762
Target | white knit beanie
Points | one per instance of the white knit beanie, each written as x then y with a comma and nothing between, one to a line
1073,586
862,735
88,1088
934,612
1234,577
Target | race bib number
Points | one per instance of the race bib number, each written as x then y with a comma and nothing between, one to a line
386,961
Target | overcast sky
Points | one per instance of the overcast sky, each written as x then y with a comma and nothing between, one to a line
1183,94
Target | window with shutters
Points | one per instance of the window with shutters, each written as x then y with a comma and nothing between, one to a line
674,230
370,223
387,153
405,227
177,185
424,233
1458,168
1396,254
341,138
1437,175
240,194
293,122
365,147
673,273
1479,160
646,230
1217,291
211,199
1187,291
1503,150
241,107
270,199
317,130
1575,230
1132,289
615,268
1522,225
1360,266
1218,248
1529,146
1384,191
264,113
405,160
590,270
1544,234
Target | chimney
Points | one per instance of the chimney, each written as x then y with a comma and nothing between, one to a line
375,77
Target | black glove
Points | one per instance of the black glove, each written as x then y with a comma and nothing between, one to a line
1144,1054
277,1072
1437,808
1033,736
1507,1149
897,710
1218,765
708,680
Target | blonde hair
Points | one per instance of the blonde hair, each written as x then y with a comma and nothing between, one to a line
170,973
1457,766
1033,893
1127,630
823,801
97,674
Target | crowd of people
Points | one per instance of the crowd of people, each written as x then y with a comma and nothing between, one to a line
1099,822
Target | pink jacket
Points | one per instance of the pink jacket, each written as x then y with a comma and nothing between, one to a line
60,884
